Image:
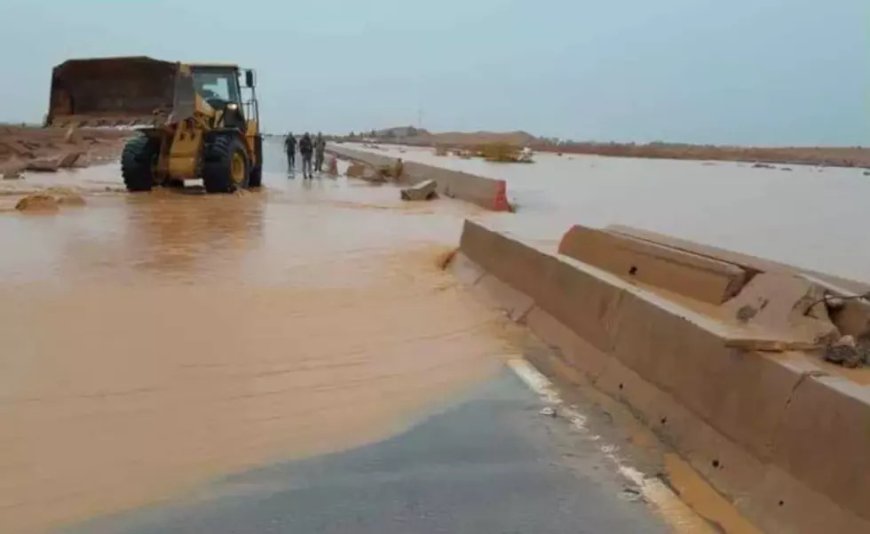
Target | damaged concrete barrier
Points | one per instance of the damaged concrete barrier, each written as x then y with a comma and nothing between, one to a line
486,192
421,191
43,165
766,425
685,273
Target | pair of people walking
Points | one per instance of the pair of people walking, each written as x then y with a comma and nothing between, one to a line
308,148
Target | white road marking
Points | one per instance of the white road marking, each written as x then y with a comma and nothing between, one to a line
675,512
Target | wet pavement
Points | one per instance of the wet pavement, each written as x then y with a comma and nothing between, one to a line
486,463
806,216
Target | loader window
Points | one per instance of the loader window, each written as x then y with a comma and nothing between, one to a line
217,85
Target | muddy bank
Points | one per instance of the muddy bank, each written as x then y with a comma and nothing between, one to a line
47,149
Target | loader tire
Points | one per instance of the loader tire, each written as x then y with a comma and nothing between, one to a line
226,166
138,162
256,179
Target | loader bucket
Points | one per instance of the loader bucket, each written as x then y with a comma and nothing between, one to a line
117,92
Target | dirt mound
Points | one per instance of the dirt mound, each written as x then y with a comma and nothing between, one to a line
37,202
48,149
50,200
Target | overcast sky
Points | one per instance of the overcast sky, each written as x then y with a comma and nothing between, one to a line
736,71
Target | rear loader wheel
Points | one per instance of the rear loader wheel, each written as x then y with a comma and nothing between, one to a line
139,163
226,167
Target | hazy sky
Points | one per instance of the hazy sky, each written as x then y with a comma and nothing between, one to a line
735,71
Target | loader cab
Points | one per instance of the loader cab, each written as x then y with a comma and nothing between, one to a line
222,87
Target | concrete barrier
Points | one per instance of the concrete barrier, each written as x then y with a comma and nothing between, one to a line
485,192
751,264
786,442
686,273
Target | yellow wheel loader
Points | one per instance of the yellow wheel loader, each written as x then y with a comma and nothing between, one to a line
194,120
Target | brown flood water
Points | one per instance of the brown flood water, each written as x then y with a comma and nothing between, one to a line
149,343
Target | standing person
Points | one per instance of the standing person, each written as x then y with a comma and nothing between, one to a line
319,149
306,148
290,147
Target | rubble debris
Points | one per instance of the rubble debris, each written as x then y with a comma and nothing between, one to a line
356,170
847,352
37,202
371,175
69,160
788,169
43,165
786,306
392,171
548,411
866,173
424,190
763,166
13,174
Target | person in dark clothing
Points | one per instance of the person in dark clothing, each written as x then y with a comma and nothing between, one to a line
319,149
306,150
290,148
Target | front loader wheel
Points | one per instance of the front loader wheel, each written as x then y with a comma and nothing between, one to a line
139,163
226,166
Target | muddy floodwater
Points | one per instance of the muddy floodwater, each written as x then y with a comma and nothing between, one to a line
806,216
152,342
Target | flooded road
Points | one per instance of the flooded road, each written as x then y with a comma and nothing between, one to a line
810,217
151,342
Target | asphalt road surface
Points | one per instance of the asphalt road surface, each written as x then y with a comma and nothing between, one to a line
488,463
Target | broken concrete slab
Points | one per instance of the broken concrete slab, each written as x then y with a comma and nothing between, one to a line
69,160
43,165
356,170
787,307
422,191
695,276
